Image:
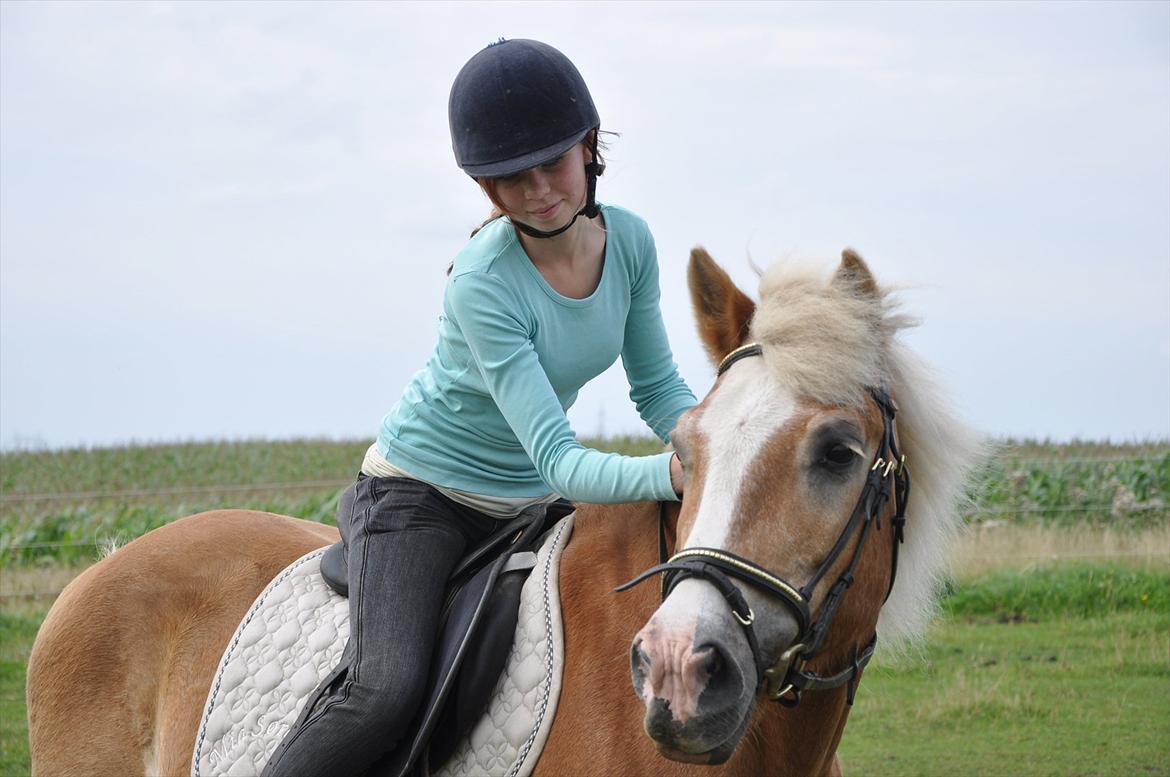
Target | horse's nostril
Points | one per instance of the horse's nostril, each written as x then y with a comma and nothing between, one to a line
639,665
712,662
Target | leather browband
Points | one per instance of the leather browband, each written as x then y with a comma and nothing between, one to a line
743,352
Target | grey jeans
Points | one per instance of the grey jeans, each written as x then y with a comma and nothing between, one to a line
402,540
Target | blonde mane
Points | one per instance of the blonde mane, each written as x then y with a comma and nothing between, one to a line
828,340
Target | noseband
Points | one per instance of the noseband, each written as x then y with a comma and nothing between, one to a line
785,680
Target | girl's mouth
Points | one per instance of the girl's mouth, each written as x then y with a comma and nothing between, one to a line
548,212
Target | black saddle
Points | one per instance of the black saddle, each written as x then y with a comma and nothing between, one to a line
477,624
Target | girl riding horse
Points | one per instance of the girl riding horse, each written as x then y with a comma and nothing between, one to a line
544,298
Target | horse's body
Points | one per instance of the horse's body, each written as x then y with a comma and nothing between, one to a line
123,662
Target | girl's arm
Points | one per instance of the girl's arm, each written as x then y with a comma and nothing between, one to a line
658,391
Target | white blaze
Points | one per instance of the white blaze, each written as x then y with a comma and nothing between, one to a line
737,423
741,417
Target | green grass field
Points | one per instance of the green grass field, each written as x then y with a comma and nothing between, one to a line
1055,696
1051,655
16,638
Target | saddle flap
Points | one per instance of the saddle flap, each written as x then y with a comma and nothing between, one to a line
480,670
520,533
463,616
457,697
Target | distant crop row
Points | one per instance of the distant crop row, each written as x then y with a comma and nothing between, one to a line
1124,486
59,506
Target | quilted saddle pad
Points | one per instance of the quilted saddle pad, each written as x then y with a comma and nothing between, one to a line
294,634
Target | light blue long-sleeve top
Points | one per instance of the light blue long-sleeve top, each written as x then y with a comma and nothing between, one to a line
487,413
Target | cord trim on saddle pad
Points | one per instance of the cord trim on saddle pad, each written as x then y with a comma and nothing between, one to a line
546,684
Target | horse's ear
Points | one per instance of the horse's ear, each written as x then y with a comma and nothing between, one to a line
855,272
722,311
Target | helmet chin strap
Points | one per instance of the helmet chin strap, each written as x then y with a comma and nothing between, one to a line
592,171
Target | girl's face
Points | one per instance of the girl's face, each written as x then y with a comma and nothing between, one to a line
545,196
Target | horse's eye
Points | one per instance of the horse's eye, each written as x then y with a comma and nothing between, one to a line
838,457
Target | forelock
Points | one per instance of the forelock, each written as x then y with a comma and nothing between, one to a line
824,338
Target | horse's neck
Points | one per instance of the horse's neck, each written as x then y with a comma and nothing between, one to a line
811,732
808,735
610,545
803,740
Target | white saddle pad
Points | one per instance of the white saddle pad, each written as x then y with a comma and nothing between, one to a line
293,636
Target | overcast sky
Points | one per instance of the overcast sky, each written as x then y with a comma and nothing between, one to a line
228,220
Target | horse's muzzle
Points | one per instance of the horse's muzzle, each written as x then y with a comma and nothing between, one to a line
696,679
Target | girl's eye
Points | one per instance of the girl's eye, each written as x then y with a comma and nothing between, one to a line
553,163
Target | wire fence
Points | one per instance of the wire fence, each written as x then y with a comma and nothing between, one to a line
1033,460
234,488
281,487
1140,507
305,485
44,545
970,516
1101,508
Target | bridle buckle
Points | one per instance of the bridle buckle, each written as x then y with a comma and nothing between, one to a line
790,661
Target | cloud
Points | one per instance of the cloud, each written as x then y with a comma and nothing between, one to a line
277,179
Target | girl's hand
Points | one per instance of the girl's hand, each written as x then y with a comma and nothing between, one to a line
676,475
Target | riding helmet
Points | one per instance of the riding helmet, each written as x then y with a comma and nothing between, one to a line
517,104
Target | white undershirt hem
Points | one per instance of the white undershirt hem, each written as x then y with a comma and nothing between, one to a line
501,507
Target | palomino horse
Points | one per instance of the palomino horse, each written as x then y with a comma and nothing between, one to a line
777,456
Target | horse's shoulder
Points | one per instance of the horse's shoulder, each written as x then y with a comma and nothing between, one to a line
611,531
610,545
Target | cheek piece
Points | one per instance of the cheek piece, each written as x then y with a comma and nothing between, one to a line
592,171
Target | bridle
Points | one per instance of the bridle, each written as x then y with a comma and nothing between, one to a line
787,678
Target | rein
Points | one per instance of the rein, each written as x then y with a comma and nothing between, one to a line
786,679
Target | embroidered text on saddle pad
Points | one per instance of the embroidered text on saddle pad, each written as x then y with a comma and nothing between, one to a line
293,635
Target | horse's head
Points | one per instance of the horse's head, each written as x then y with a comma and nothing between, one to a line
788,531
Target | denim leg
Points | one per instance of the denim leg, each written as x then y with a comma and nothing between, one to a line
404,540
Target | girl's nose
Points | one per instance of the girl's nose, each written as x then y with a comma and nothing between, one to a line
535,184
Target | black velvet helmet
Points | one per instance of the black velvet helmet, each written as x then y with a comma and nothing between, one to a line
517,104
